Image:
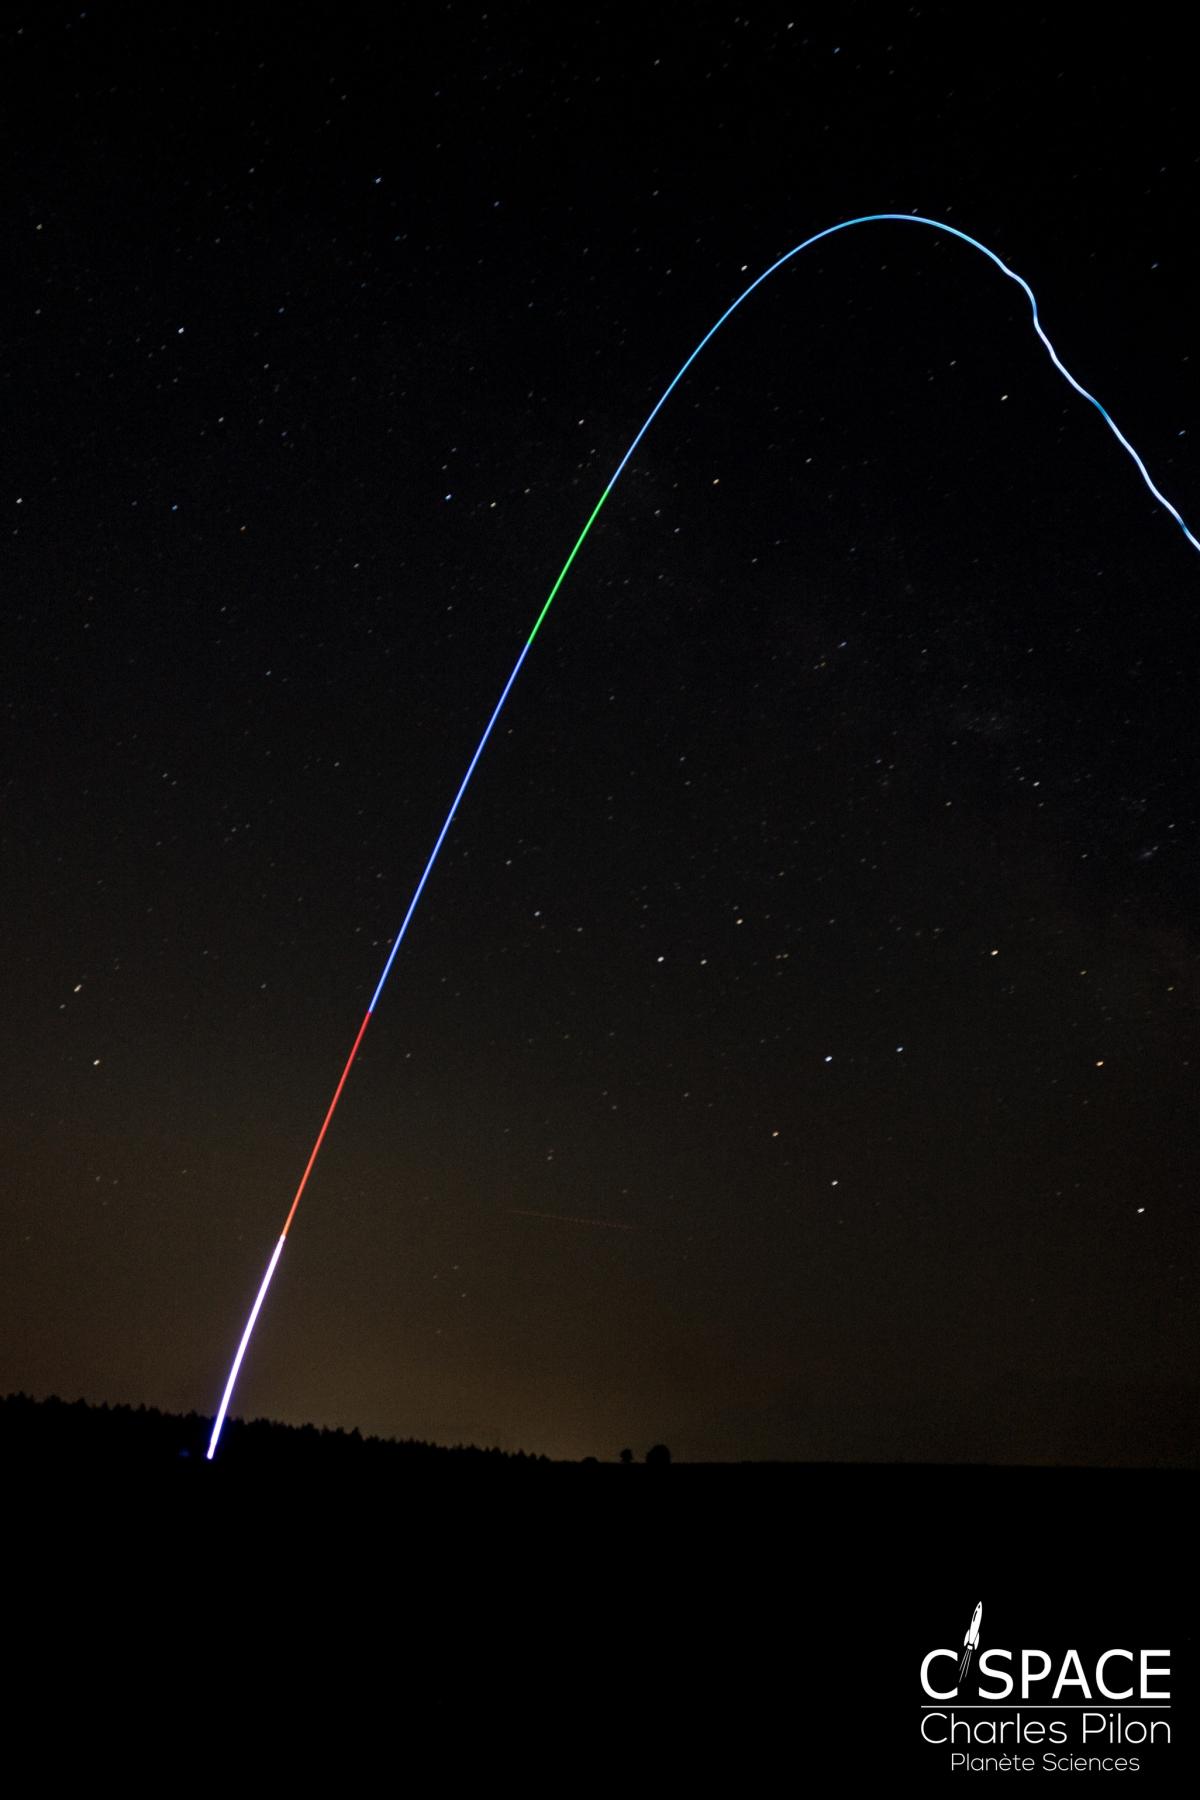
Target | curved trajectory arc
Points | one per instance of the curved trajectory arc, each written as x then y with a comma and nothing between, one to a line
830,230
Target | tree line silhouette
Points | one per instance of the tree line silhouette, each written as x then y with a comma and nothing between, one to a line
56,1433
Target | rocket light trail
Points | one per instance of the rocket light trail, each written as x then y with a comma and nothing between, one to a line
227,1396
830,231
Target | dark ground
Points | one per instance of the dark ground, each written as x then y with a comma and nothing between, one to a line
739,1623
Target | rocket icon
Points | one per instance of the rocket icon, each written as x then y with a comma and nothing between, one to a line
970,1642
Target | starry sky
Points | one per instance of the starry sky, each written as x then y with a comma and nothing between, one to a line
795,1052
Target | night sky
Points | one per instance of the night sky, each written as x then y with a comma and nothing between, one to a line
795,1052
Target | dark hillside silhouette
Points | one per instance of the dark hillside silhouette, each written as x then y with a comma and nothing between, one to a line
42,1433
